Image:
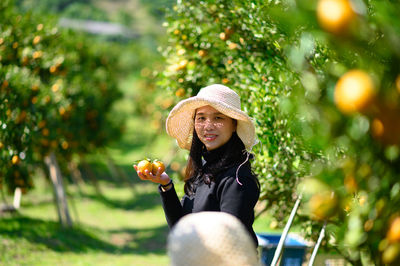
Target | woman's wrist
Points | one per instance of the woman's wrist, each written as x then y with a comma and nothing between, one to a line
167,186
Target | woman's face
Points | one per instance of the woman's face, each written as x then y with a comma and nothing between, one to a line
213,128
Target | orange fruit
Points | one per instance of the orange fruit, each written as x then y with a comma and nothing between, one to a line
202,53
157,164
223,36
35,87
145,165
323,205
181,65
53,69
385,126
393,234
36,40
15,159
335,15
37,54
180,92
354,92
232,46
45,132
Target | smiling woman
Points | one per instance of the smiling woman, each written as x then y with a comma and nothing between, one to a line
212,127
219,136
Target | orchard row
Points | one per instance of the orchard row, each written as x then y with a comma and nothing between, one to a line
56,93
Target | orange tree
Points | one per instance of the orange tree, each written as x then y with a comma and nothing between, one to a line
348,110
323,88
57,90
236,43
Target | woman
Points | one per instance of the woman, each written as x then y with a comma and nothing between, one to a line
218,175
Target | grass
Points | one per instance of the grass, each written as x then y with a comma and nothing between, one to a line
120,227
117,228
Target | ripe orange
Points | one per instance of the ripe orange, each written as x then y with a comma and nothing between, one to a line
354,92
385,126
202,53
225,81
145,165
157,164
223,36
45,132
232,46
35,87
393,234
180,92
15,159
36,40
323,205
181,65
37,54
335,15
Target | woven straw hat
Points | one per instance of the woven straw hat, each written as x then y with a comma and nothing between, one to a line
180,121
212,239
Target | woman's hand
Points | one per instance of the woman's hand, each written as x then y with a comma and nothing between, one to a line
159,178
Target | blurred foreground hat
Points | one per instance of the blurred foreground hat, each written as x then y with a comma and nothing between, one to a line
212,239
180,121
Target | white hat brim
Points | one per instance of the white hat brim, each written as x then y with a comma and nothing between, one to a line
180,121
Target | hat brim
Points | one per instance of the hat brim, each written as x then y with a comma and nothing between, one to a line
180,121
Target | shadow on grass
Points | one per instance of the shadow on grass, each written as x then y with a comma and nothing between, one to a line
142,201
81,240
143,241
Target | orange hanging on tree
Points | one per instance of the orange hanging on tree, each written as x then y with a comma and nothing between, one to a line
335,16
354,92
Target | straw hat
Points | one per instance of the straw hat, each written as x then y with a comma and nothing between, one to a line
212,239
180,121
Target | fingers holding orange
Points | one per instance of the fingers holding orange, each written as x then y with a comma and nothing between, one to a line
148,170
158,167
143,168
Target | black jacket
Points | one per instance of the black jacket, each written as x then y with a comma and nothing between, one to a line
224,194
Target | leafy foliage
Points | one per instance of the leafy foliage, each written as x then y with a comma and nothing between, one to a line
223,42
57,93
292,65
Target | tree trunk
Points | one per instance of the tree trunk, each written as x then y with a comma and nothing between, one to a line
59,192
17,198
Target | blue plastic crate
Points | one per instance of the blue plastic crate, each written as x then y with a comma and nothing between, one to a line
294,249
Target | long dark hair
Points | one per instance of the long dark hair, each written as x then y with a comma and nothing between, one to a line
233,154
